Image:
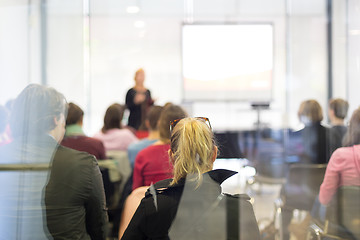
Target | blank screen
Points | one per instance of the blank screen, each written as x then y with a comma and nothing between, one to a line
227,62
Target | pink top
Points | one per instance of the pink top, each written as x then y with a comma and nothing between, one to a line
116,139
343,170
152,165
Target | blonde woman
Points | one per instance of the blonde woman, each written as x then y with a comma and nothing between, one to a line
191,205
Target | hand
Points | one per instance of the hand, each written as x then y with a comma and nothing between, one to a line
139,98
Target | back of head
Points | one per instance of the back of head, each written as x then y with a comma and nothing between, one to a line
352,136
168,114
75,114
34,110
311,110
340,107
113,117
192,148
153,116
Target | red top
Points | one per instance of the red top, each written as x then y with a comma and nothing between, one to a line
85,144
142,134
343,169
152,165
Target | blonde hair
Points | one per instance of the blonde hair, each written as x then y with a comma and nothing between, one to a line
140,70
192,147
311,109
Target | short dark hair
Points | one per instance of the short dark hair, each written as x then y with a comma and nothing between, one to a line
75,114
34,110
340,107
169,113
113,117
153,116
352,136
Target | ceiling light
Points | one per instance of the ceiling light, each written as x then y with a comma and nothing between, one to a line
354,32
132,9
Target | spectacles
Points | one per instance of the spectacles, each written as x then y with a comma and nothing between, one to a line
204,119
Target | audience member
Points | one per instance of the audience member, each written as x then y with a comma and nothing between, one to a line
312,146
338,109
152,163
75,137
313,139
151,122
113,135
138,100
66,202
344,165
191,203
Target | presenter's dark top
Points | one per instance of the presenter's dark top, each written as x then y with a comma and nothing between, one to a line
137,111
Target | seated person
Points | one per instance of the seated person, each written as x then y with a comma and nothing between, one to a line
311,143
191,205
75,137
151,122
113,135
64,199
337,113
344,165
152,163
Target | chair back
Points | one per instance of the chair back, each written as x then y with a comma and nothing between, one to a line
271,164
343,212
302,185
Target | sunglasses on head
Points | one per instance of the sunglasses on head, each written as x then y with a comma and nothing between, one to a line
204,119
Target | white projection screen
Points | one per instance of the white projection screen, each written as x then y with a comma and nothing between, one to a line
232,62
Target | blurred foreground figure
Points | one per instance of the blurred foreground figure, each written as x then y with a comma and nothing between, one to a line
191,205
47,191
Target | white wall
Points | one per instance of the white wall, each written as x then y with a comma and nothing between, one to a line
98,72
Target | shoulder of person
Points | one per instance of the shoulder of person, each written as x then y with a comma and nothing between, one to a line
160,187
74,157
237,196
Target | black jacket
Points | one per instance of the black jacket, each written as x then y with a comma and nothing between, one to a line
187,211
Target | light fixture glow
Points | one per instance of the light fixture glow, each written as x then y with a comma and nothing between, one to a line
132,9
354,32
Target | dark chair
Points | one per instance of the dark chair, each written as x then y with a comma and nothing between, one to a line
302,185
342,217
300,190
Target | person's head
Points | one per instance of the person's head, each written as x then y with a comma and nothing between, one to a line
352,136
152,118
168,114
338,108
310,112
38,110
192,148
113,116
139,77
75,115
